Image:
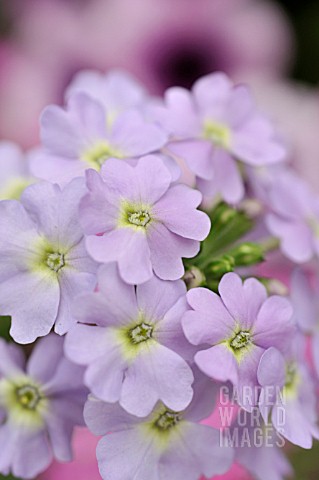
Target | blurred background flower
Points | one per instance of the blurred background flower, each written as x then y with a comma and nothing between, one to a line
162,42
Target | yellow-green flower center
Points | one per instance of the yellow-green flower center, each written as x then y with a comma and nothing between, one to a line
241,340
290,389
141,333
164,425
138,335
55,261
140,218
13,189
290,375
167,420
24,401
28,396
48,258
97,154
218,133
135,215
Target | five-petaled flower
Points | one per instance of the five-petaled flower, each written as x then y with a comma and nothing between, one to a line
165,444
134,216
43,261
238,327
40,404
132,341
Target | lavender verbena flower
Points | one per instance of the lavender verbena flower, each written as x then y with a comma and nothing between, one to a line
147,224
132,341
14,171
239,325
292,405
85,136
212,127
117,90
43,262
294,217
39,405
304,293
258,447
166,444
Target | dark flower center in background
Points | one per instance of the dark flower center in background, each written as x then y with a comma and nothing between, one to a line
182,62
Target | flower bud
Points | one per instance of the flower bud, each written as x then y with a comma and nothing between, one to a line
247,254
194,277
217,268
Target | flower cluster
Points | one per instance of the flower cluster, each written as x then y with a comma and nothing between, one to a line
109,247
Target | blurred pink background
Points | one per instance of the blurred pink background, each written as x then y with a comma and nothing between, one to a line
162,42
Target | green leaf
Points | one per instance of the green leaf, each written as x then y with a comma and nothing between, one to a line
5,323
9,477
305,462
